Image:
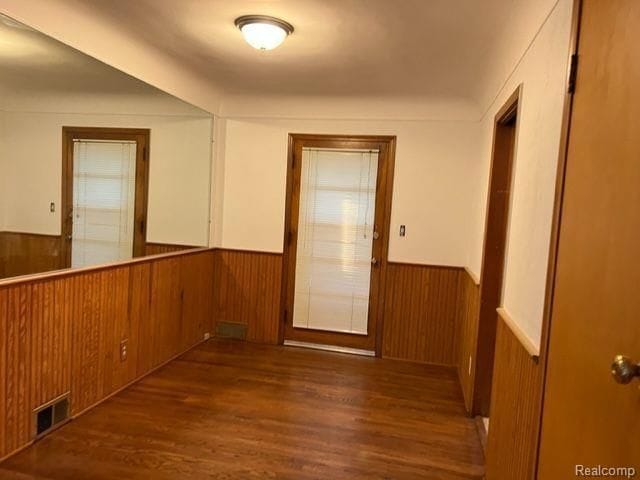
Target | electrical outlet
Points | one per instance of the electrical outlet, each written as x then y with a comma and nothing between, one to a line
123,350
469,365
403,230
207,336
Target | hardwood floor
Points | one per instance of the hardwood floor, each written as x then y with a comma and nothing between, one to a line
228,410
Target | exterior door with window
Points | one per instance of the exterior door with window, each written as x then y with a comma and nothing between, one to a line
336,224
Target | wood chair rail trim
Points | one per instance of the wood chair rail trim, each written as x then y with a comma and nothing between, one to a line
473,276
528,344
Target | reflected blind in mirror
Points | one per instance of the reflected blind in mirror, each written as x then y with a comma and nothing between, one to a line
335,240
104,180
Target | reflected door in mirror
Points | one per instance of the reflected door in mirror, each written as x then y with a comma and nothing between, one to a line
103,201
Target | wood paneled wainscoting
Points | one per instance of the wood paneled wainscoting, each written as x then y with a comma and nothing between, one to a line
247,293
512,443
431,316
28,253
469,306
62,333
161,248
421,313
424,305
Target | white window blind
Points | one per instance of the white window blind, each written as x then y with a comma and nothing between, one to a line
335,240
104,182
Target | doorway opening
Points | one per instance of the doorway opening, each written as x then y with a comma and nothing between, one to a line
104,194
336,241
494,250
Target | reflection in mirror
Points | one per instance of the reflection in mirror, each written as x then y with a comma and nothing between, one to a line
95,166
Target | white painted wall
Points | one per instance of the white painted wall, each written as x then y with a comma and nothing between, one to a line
524,19
542,71
179,176
387,109
442,161
442,166
431,194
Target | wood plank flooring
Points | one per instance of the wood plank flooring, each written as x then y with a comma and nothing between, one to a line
231,410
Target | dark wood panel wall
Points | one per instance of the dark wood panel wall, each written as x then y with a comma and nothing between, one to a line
27,253
161,248
247,292
512,443
469,298
425,306
62,334
421,313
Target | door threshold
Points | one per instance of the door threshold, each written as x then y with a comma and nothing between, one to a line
330,348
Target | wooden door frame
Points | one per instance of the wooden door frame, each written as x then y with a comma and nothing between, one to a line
505,139
384,188
142,137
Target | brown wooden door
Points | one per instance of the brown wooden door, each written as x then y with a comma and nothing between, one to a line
589,419
385,146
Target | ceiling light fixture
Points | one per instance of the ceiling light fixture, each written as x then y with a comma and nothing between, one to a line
262,32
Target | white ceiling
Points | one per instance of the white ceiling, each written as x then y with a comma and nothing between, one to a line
31,61
402,51
40,73
428,48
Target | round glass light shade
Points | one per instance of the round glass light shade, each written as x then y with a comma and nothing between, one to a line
263,36
263,33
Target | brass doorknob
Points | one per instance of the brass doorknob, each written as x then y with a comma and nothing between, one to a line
624,370
374,261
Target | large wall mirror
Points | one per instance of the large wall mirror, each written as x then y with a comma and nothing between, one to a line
95,166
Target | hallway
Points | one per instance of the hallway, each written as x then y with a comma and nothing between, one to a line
236,410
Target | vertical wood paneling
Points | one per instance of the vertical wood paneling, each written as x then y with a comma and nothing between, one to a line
51,332
4,321
101,315
160,248
63,334
421,313
27,253
197,306
515,410
166,309
140,318
469,303
247,291
18,374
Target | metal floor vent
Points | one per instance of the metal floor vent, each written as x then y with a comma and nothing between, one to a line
50,415
231,330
